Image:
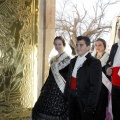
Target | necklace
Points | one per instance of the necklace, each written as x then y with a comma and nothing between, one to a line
99,57
60,55
56,60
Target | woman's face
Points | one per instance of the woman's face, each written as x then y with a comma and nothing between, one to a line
59,45
99,47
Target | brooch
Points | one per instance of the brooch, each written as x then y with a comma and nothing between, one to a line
109,63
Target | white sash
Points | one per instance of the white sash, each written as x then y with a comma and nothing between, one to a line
106,82
57,65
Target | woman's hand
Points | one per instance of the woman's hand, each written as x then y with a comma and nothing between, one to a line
109,71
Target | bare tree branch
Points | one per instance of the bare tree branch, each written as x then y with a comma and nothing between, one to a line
81,22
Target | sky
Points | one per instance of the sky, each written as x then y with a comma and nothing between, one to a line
111,12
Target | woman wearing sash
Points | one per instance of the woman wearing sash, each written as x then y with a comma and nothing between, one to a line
102,55
51,104
113,71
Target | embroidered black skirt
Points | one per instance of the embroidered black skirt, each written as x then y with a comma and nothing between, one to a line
51,104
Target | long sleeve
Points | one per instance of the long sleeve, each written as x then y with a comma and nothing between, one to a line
111,57
95,86
66,91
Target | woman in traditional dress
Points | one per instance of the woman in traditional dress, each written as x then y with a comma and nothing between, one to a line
102,55
51,104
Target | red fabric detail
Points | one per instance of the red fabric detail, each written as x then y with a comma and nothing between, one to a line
115,76
73,83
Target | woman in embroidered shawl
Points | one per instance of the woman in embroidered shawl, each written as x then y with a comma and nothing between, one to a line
51,104
100,53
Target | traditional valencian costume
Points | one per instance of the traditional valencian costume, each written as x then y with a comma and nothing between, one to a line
51,104
114,62
105,93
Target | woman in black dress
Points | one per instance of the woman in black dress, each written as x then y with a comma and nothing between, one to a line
102,55
51,104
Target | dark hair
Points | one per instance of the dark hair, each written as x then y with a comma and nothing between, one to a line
60,38
102,40
86,39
